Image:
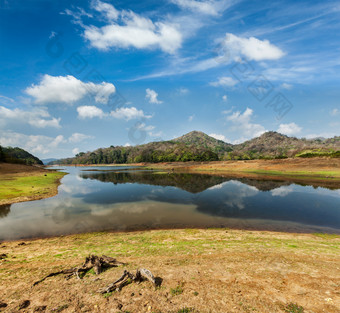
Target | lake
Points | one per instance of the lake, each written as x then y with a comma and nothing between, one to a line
122,199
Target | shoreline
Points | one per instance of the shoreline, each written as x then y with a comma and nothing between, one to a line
22,183
255,271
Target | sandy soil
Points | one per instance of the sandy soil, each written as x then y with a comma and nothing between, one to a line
202,271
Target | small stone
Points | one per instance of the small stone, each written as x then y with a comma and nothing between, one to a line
132,294
3,256
24,304
3,304
149,308
41,308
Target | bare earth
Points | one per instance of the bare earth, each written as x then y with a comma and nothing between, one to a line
202,270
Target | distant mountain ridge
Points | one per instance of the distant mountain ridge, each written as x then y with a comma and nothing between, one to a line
198,146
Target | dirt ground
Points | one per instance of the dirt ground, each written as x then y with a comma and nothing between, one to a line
25,170
215,270
303,165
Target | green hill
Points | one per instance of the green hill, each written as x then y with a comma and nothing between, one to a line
198,146
18,155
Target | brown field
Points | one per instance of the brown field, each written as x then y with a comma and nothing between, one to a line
202,271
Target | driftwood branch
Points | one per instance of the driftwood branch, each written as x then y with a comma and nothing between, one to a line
128,278
92,261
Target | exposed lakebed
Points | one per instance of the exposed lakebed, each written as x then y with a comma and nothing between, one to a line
122,199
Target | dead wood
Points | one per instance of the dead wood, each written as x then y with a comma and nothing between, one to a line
92,261
128,278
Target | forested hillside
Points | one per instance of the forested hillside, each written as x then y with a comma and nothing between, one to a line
197,146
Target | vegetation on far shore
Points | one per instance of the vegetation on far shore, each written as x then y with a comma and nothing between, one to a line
199,147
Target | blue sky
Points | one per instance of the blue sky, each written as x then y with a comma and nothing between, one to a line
79,75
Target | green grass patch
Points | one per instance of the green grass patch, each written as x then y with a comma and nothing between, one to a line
29,186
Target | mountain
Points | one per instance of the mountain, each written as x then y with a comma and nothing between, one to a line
18,155
201,139
198,146
275,145
46,161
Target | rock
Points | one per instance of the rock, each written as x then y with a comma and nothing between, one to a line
41,308
3,304
24,304
3,256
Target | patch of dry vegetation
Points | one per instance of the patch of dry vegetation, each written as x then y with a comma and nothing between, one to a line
202,270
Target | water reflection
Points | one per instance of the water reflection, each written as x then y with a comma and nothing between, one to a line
4,210
117,199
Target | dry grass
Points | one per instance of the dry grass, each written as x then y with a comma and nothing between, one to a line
202,271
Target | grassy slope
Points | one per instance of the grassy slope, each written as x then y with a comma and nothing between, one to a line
22,186
212,271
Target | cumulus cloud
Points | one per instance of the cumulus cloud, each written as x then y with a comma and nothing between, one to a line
251,48
152,96
89,111
225,98
36,144
68,89
78,137
219,137
241,123
289,129
127,29
108,10
75,151
39,118
224,82
129,113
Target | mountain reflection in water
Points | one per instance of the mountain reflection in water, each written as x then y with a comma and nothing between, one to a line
96,199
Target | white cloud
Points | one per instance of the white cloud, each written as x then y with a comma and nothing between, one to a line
6,100
203,7
251,48
191,117
286,86
75,151
129,113
224,82
183,91
241,123
152,96
219,137
32,143
39,118
78,137
128,29
68,89
289,129
108,10
225,98
335,112
127,145
89,111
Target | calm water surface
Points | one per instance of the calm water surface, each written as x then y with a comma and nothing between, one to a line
117,199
